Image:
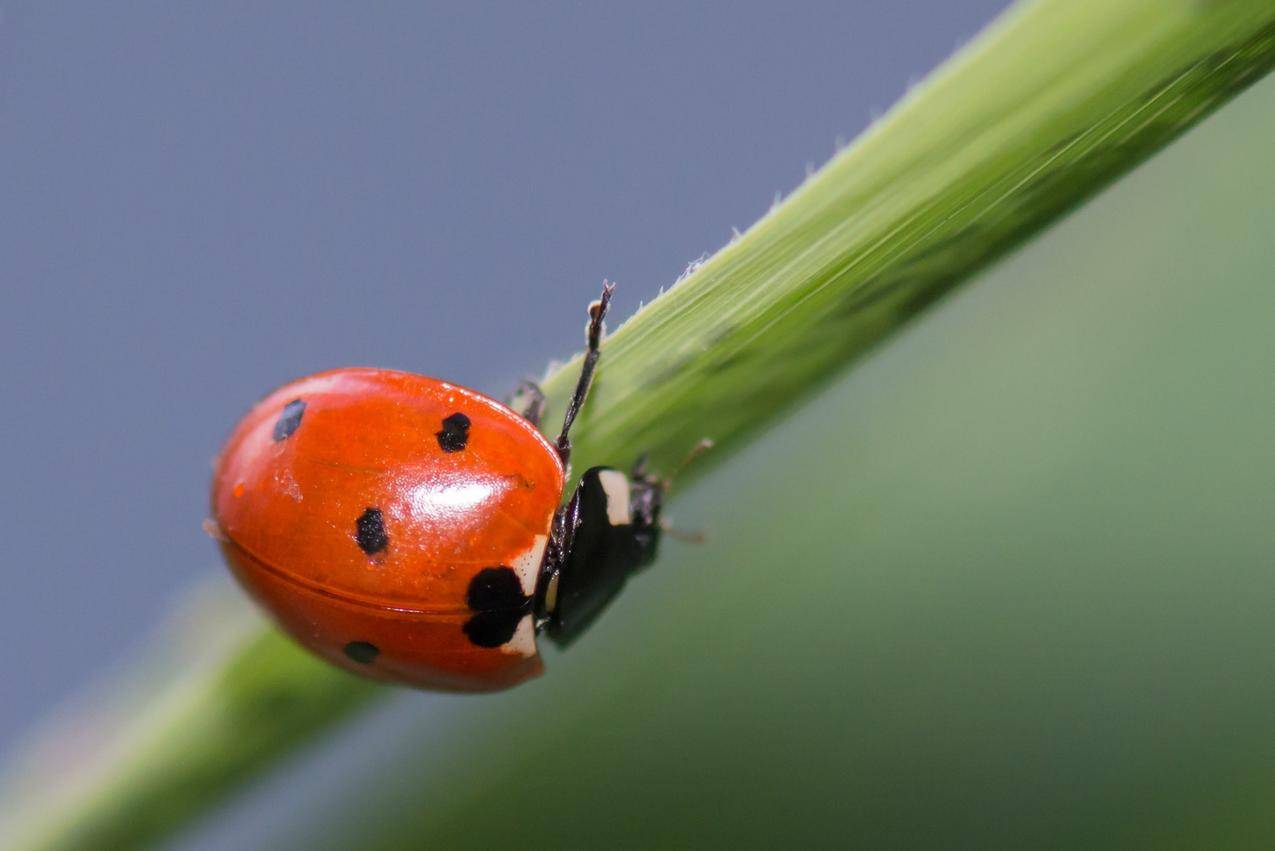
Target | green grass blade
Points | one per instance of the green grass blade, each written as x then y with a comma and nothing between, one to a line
1055,101
1050,105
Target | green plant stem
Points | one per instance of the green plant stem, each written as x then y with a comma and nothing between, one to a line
1053,102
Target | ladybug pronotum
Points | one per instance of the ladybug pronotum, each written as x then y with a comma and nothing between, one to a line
413,531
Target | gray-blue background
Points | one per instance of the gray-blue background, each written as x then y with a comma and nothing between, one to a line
198,202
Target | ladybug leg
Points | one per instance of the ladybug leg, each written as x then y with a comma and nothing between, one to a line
593,339
529,399
638,470
561,537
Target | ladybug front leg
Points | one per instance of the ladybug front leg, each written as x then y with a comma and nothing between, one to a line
593,341
529,400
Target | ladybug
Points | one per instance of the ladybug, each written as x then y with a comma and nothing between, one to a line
413,531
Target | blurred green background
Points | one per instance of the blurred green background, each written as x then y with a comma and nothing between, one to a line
1007,584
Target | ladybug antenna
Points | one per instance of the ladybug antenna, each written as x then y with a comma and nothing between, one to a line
593,340
639,470
639,466
702,446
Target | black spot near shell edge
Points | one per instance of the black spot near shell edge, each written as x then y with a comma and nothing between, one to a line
496,596
363,652
495,589
492,629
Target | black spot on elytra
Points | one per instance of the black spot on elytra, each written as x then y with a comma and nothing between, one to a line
454,434
492,629
495,589
362,652
289,421
495,594
371,531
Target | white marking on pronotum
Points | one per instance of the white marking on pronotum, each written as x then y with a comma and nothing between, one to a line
527,565
616,487
524,641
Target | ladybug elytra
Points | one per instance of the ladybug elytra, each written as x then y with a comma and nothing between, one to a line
413,530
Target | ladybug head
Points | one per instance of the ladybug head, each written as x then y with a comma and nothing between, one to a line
609,529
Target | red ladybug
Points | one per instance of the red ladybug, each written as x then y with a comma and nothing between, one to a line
411,530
